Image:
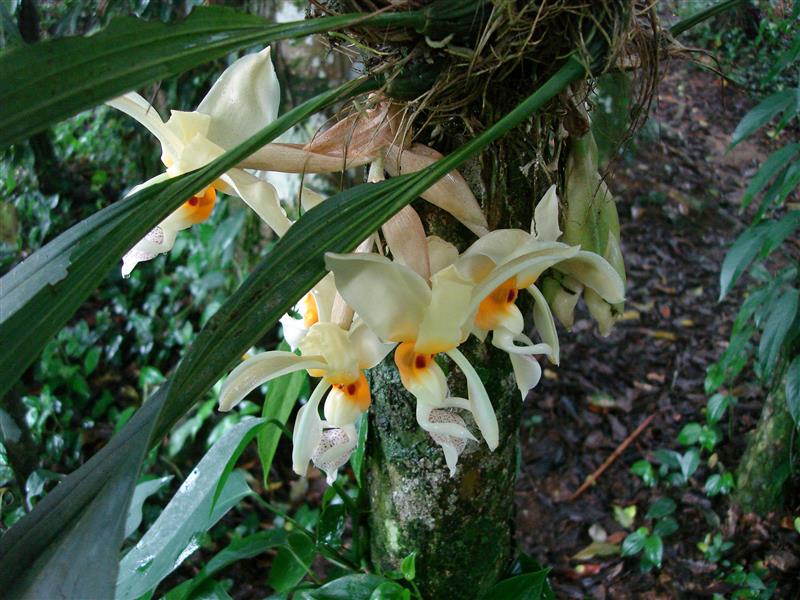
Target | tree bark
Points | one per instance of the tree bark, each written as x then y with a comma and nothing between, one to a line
461,527
766,463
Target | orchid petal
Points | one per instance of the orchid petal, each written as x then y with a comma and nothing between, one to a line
544,226
261,368
293,158
527,266
309,199
157,241
243,100
390,298
307,430
361,133
451,446
446,321
595,272
293,331
330,341
545,324
601,311
133,105
324,293
450,429
527,372
441,254
339,410
369,349
405,237
451,193
502,245
334,450
505,340
261,197
481,406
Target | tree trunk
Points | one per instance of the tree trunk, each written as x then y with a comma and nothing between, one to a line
461,527
766,463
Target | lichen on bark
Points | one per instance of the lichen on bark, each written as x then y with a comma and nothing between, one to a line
766,463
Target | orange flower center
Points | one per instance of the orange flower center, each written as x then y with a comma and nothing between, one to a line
495,306
199,207
310,316
356,392
410,364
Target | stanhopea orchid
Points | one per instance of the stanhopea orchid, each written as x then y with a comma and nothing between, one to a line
338,357
497,253
243,100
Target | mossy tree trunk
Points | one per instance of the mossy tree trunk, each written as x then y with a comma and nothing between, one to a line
461,527
766,463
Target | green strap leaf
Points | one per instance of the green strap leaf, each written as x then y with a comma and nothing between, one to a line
776,329
775,163
49,81
172,538
793,390
39,295
763,113
281,397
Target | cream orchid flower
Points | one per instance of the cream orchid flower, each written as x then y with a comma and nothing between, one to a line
498,313
339,357
425,319
243,100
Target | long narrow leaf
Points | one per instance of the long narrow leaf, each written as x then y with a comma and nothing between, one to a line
39,295
295,264
46,82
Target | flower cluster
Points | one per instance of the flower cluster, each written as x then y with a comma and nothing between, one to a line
418,298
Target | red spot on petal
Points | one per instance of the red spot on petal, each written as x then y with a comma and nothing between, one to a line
351,389
420,362
193,201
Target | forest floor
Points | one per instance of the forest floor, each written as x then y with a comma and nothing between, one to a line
678,196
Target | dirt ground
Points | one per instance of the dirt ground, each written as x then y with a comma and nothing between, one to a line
678,200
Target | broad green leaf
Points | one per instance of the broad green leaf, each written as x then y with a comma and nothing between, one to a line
762,114
40,294
776,329
281,396
717,405
409,566
760,241
238,549
689,434
775,163
634,543
291,563
653,549
666,526
661,508
390,590
49,81
93,534
331,525
530,586
295,264
625,516
644,469
350,587
357,460
793,390
173,537
689,461
787,58
142,492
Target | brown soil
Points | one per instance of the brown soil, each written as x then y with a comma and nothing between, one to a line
678,199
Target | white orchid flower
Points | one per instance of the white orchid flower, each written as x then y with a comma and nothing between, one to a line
339,357
496,252
243,100
315,306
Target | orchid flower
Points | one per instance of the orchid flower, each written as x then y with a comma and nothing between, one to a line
339,357
243,100
496,253
426,319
